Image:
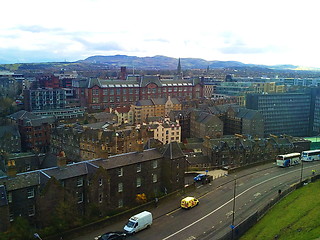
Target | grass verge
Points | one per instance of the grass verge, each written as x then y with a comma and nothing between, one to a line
296,217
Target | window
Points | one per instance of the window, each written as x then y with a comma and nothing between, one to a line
30,192
139,167
100,182
120,172
154,178
138,181
100,197
120,203
80,197
79,182
11,216
154,164
120,187
10,197
31,210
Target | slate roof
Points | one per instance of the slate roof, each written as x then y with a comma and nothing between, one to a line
22,114
144,102
172,151
10,129
30,119
69,171
145,80
22,180
127,159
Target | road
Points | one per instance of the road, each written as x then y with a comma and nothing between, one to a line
252,189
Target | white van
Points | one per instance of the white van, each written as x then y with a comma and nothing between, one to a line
138,222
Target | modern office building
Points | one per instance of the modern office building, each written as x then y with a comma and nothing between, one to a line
283,113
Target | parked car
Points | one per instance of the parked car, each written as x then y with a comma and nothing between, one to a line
189,202
112,236
200,177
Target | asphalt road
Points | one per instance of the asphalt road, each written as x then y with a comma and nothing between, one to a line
212,218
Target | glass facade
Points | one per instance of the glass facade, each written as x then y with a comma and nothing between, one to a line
287,113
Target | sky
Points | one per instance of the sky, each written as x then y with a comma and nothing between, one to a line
250,31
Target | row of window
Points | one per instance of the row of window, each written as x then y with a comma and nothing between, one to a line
119,91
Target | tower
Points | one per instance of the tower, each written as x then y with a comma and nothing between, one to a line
179,71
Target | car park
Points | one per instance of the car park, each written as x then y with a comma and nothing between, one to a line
112,236
189,202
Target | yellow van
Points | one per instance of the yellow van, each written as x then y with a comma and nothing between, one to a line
189,202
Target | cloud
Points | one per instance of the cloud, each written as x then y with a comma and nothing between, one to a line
37,29
98,46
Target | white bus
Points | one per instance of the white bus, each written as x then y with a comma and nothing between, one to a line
310,155
289,159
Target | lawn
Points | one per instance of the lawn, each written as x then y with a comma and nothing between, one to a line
296,217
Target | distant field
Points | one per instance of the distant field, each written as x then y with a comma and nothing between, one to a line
295,217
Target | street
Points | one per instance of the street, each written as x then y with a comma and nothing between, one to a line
252,189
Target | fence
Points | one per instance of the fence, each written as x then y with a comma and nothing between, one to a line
245,225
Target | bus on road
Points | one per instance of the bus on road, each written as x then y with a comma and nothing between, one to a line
310,155
289,159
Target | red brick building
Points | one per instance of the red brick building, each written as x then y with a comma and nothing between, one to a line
100,94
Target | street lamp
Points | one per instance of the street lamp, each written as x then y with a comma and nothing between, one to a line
234,206
301,171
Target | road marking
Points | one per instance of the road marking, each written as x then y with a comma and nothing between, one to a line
168,214
223,205
191,238
228,214
257,194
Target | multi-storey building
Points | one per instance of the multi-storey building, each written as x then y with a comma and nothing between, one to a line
57,102
34,130
154,107
238,150
90,189
166,131
183,116
204,124
10,139
100,93
83,142
283,113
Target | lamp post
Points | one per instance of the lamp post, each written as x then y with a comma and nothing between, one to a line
234,206
301,171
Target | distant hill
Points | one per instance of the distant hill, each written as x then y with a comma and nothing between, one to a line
162,62
145,63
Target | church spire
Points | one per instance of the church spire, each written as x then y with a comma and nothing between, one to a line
179,71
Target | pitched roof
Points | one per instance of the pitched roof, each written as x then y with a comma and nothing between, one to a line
10,129
127,159
22,180
69,171
172,151
122,109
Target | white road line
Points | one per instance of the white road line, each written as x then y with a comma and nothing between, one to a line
205,216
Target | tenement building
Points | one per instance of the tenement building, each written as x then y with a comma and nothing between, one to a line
90,189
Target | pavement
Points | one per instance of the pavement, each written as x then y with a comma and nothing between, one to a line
169,204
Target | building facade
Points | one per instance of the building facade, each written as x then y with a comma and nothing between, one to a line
100,93
283,113
90,189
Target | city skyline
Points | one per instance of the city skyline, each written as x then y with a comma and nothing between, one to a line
251,32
